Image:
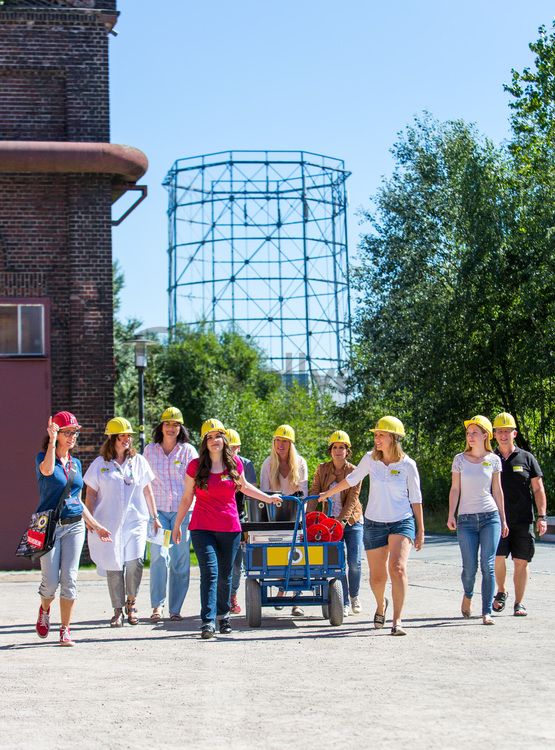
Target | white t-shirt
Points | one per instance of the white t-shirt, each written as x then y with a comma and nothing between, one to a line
476,480
393,488
285,486
121,508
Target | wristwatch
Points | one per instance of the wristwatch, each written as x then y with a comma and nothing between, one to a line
541,518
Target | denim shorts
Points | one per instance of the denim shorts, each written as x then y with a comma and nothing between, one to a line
376,534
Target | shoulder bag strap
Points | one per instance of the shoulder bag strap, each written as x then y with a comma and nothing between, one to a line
67,490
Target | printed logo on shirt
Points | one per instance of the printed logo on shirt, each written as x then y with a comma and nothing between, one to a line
177,462
394,472
518,468
486,463
104,470
226,478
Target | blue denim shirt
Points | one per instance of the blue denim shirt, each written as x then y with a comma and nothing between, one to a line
51,488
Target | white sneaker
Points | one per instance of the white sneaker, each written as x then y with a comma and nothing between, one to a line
355,605
346,611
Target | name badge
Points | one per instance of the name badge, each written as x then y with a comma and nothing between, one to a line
103,471
394,472
486,463
177,462
518,468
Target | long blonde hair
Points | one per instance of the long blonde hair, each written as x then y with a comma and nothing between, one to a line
487,441
292,460
396,450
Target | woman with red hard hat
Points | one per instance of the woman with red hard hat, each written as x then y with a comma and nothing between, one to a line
346,508
393,520
476,490
214,478
56,469
119,494
286,472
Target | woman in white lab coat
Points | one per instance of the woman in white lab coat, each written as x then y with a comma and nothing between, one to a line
120,497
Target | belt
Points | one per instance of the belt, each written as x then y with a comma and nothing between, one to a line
71,519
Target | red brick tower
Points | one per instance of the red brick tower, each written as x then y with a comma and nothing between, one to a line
59,176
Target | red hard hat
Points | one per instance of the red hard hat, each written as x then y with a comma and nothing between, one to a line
66,419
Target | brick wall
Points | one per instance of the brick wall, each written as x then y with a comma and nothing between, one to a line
55,233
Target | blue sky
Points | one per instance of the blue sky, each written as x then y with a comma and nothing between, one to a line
340,79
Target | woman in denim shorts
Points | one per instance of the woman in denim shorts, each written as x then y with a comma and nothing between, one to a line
393,519
476,489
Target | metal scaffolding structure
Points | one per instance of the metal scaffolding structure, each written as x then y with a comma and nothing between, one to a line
258,245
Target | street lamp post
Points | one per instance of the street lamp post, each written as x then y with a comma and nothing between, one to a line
140,364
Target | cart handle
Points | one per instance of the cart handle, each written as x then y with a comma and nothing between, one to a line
304,500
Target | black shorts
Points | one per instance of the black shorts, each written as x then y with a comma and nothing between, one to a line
519,543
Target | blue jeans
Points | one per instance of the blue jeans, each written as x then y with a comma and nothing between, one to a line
352,536
238,567
483,531
216,551
176,559
61,564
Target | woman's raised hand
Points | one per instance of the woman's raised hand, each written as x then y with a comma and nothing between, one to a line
52,430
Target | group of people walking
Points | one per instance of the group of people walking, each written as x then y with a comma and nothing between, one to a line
173,496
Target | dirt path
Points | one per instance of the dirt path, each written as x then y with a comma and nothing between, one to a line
299,683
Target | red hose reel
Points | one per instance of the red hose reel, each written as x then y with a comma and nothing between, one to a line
322,528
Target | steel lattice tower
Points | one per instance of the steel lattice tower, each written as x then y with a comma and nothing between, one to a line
258,244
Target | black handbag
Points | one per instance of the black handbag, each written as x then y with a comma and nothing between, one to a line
39,536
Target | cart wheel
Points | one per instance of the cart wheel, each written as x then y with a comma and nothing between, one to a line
253,599
335,602
325,612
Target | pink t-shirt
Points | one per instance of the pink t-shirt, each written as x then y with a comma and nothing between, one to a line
215,508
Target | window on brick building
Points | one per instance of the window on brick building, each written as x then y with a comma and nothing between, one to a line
21,330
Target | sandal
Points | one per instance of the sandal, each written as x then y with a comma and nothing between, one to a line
466,613
130,611
156,615
176,618
379,620
117,620
499,601
487,620
398,630
519,610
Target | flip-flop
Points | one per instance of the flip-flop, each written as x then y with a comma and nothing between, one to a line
520,610
176,618
499,601
156,616
379,620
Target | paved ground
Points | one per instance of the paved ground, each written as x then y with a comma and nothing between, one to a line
298,683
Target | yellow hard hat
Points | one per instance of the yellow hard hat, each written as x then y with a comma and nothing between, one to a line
482,422
504,420
390,424
172,414
339,436
233,437
286,432
211,425
118,426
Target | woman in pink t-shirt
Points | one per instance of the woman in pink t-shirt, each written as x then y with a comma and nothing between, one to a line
213,478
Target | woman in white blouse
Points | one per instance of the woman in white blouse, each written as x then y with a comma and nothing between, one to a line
393,520
119,496
286,472
476,489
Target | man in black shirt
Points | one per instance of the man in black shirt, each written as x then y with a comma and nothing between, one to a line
521,480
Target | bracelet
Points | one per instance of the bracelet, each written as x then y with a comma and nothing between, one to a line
154,518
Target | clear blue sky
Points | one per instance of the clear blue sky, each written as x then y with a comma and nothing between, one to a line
340,79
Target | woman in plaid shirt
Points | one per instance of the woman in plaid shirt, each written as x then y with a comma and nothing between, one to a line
169,455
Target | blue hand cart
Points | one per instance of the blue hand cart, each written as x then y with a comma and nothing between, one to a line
310,570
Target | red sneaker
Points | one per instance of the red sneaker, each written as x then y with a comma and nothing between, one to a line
235,609
43,622
65,637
